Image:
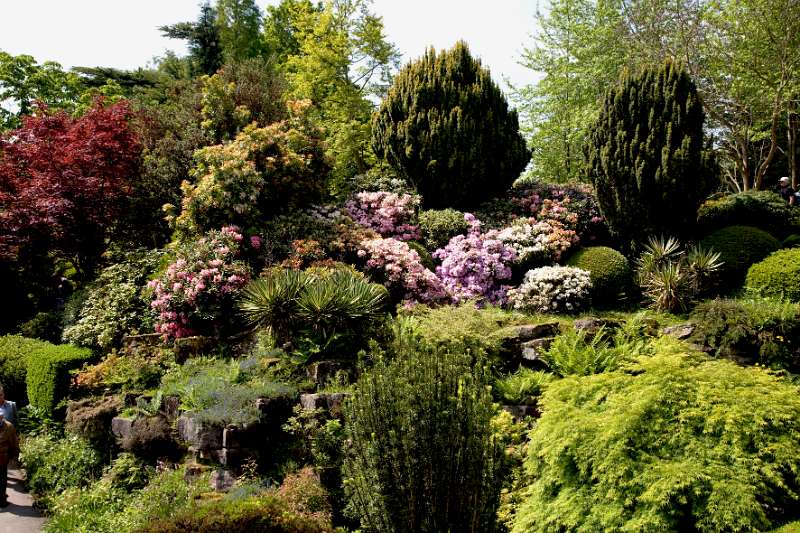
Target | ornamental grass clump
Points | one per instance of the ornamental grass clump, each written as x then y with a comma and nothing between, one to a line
387,213
197,291
670,442
552,289
474,265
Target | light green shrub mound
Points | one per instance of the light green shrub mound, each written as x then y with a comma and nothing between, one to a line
438,226
778,275
763,209
424,255
739,247
608,269
14,351
673,442
48,377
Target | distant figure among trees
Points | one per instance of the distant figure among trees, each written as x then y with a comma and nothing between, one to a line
786,191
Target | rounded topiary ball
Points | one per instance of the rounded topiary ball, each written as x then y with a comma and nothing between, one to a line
739,247
778,275
792,241
608,269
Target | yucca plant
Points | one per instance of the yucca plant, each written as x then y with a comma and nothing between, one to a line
703,266
323,307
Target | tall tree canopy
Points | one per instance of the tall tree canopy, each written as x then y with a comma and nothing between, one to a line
202,37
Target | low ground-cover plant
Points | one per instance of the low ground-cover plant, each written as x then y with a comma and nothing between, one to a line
552,289
670,442
423,457
777,276
137,370
752,329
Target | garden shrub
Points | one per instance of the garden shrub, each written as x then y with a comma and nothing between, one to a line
113,304
577,353
323,310
48,378
54,464
195,296
671,442
399,268
90,418
759,329
653,181
45,326
388,214
523,387
474,265
304,495
763,209
792,241
423,456
261,173
537,243
133,371
552,289
424,255
777,276
739,247
446,126
609,272
438,226
258,514
14,354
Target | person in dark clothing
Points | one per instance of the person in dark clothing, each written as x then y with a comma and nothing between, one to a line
9,449
786,191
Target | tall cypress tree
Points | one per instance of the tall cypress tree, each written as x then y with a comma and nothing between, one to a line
446,126
645,155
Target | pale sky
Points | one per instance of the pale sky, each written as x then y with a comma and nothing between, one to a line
124,34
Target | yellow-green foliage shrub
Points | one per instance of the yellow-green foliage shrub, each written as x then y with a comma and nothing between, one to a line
14,351
608,269
48,372
778,275
672,442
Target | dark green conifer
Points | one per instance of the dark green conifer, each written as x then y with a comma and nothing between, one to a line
645,155
446,127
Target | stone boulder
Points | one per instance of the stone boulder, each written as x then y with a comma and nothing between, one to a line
331,402
680,331
532,351
518,412
199,435
592,325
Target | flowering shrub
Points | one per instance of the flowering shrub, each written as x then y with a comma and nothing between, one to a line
552,289
537,242
474,264
399,267
198,289
387,213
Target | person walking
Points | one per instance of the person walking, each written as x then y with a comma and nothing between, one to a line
9,449
786,191
8,408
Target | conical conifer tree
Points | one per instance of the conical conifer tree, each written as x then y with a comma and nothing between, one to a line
446,127
645,155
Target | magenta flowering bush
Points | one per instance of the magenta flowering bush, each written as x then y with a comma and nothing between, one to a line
473,265
400,269
538,242
389,214
197,291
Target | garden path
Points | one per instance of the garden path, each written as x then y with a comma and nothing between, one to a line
19,516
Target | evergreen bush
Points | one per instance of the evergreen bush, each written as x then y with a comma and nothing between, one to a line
423,457
778,275
48,378
446,126
792,241
438,226
14,353
609,272
645,155
739,247
672,442
763,209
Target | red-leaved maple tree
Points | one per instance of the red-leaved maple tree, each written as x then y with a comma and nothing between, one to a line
62,180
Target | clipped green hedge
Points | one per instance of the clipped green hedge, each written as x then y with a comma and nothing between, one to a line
763,209
609,271
438,226
739,247
14,351
778,275
48,372
672,442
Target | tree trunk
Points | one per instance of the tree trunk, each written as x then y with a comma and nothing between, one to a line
792,119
